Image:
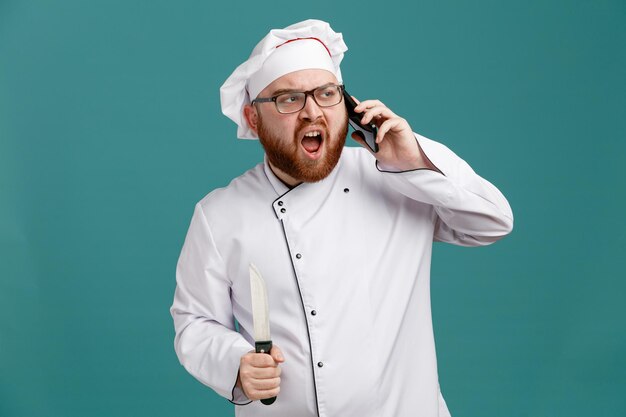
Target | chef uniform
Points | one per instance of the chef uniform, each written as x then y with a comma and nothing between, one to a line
346,261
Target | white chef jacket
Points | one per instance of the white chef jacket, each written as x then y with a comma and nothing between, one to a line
347,265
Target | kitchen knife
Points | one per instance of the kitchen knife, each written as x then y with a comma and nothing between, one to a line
260,317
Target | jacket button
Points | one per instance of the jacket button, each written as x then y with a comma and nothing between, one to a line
313,312
282,210
298,256
320,364
280,203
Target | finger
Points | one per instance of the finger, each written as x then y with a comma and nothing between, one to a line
385,127
249,373
368,104
264,373
277,354
358,137
378,111
259,360
261,395
357,106
264,384
254,394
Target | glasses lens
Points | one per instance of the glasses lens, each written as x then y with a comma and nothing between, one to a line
328,96
290,102
324,97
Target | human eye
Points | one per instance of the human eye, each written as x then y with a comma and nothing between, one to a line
327,94
289,98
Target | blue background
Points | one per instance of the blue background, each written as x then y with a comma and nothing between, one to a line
111,130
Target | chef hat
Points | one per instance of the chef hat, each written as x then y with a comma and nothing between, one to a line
311,44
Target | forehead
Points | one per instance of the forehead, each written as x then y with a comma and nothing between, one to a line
301,80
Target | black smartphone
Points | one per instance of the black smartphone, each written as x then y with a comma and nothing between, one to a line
368,132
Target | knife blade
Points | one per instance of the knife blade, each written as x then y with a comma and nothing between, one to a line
260,317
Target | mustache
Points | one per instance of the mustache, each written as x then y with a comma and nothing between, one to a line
317,125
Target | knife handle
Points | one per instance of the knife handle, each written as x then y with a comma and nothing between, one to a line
265,347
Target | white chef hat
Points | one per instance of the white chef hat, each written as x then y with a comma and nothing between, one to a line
311,44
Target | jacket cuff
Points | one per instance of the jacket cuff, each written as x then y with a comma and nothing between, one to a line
423,184
238,397
429,152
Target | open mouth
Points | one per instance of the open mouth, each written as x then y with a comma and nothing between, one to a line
312,143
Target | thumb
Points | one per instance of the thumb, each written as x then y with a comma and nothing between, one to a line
358,137
277,354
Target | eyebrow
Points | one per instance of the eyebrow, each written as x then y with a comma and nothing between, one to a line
293,90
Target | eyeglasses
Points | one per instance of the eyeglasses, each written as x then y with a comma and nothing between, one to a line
294,101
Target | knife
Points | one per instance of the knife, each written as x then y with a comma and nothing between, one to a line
260,317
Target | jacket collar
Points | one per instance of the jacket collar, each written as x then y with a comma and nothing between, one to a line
304,200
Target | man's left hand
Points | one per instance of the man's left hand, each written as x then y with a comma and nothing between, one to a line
398,148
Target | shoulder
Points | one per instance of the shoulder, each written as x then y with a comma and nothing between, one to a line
242,191
356,154
360,163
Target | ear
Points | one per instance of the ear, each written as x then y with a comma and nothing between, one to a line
251,116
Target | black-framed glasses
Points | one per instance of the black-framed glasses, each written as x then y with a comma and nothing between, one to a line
294,101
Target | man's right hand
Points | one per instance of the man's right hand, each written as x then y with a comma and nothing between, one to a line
259,374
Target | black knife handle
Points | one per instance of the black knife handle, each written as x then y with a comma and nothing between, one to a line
265,347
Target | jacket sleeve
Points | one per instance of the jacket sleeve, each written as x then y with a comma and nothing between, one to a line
206,342
470,210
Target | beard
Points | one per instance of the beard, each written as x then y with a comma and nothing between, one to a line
286,155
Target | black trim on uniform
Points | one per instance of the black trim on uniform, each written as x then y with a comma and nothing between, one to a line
232,393
295,274
416,169
282,195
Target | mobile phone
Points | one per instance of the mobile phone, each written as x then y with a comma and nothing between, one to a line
368,132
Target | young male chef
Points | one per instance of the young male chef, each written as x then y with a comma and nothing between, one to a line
342,236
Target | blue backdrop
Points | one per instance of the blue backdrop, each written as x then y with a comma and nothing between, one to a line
111,130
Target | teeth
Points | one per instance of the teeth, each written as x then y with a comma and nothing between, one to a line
312,134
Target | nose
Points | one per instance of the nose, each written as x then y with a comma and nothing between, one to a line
311,111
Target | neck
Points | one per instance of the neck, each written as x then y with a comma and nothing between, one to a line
285,178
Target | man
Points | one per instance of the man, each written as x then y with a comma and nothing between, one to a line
342,236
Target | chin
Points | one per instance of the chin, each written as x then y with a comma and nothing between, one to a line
309,157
